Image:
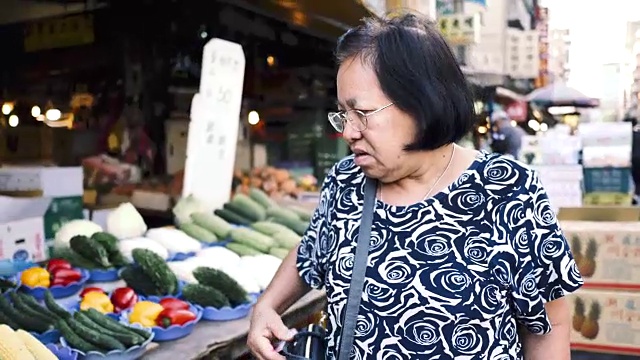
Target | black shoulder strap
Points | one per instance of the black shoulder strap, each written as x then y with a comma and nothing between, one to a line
359,268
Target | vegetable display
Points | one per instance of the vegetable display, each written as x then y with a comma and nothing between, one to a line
150,275
97,251
58,272
145,313
22,311
20,345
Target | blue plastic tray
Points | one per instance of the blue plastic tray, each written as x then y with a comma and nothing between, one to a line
174,332
228,313
181,256
131,353
62,353
49,337
58,291
106,275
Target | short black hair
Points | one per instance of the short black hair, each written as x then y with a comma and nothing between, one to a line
418,72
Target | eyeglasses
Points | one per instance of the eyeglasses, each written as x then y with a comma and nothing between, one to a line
357,119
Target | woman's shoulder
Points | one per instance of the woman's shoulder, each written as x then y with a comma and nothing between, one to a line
505,176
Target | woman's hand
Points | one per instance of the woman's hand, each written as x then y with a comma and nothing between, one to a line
267,326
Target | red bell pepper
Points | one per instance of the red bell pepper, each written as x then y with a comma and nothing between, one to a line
55,264
170,317
173,303
123,298
87,290
65,277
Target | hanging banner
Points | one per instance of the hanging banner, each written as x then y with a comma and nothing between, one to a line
74,30
460,29
543,48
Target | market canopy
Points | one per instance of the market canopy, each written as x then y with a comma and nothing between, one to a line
330,17
559,94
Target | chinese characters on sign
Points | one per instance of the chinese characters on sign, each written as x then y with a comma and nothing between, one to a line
460,29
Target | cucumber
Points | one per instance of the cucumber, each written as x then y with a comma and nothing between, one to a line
113,325
217,225
253,239
30,302
242,250
279,212
75,341
157,270
4,319
304,214
25,321
248,208
219,280
298,226
261,198
96,338
231,216
270,228
198,232
52,305
128,339
280,253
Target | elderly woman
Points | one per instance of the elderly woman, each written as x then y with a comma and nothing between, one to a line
466,259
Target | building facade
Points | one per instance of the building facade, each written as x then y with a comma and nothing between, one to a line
631,72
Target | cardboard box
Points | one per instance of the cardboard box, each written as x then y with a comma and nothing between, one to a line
41,181
604,321
606,245
22,229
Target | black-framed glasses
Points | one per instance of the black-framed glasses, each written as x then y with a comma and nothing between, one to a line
357,119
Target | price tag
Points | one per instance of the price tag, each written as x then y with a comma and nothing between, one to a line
215,121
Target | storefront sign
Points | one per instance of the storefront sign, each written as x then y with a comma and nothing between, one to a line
517,110
215,120
543,47
61,32
460,29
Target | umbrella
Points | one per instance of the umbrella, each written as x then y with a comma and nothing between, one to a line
558,94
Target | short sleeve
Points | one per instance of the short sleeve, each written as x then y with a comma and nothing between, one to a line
545,269
313,252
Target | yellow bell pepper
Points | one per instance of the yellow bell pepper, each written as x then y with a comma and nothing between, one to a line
36,277
145,313
97,300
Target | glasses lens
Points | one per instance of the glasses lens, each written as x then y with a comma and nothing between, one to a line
337,121
357,120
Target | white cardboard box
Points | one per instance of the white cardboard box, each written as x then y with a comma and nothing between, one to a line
22,229
43,178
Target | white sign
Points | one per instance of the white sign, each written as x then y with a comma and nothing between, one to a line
522,54
213,130
460,29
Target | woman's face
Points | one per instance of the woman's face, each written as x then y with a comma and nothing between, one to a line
379,148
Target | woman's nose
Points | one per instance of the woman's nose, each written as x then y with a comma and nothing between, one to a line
350,134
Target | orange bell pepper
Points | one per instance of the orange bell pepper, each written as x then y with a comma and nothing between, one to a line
35,277
97,300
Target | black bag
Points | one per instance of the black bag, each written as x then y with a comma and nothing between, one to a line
310,343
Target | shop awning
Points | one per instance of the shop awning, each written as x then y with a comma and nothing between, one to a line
323,17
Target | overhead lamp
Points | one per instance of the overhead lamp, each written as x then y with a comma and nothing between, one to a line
7,108
36,111
53,115
254,118
14,120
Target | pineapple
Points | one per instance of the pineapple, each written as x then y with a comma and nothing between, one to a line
576,249
588,267
578,314
590,328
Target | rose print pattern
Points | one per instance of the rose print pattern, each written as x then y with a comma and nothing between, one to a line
451,277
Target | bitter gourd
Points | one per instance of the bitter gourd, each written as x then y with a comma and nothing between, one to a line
205,296
219,280
139,281
157,270
90,249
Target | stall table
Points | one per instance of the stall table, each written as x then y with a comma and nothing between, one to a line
227,340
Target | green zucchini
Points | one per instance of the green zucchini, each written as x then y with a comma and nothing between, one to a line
248,208
304,214
280,253
217,225
198,232
280,212
242,250
261,198
270,228
73,339
113,325
287,239
231,216
252,238
298,226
